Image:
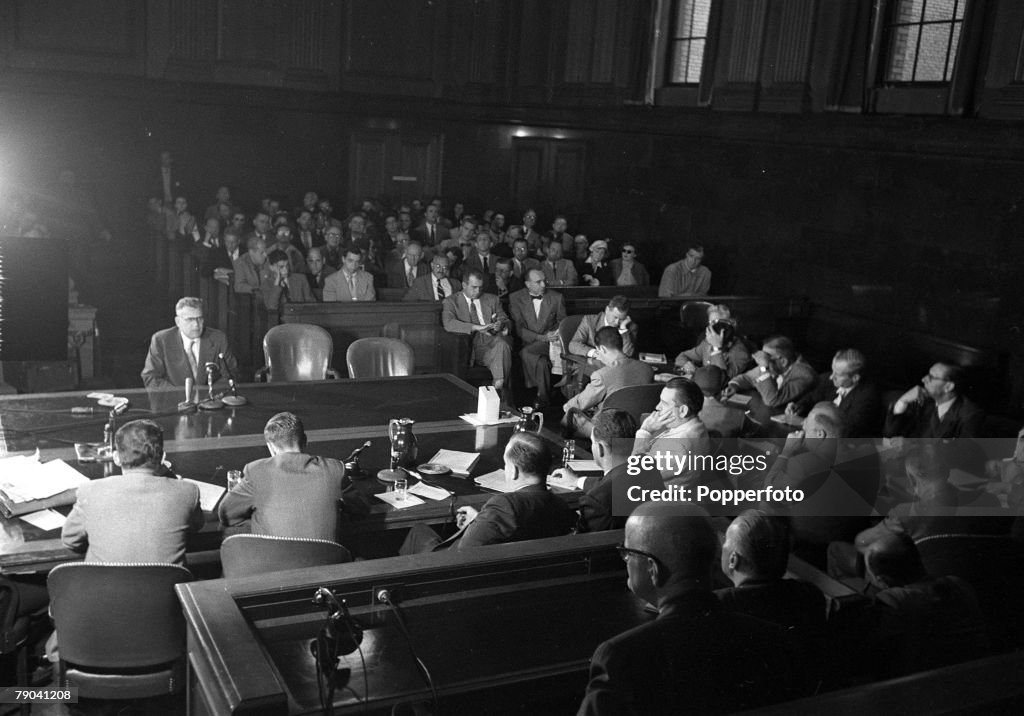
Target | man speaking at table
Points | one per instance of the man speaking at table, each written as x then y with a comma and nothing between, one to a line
183,351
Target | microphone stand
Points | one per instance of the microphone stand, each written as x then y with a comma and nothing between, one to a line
211,403
232,398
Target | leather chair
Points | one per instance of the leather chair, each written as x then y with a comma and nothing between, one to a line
635,399
120,627
14,638
379,358
572,364
693,317
246,555
296,352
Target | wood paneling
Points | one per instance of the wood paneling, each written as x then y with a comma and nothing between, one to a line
395,165
550,175
392,46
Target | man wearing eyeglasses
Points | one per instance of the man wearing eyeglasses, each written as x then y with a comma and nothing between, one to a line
695,657
183,351
936,408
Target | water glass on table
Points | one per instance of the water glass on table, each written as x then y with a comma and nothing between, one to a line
401,488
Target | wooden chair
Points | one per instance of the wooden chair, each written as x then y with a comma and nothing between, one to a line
246,555
296,352
121,627
379,357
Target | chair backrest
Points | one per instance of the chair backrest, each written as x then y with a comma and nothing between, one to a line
297,352
567,329
379,357
117,615
693,315
246,555
634,399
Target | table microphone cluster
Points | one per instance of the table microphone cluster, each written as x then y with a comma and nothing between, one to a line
230,397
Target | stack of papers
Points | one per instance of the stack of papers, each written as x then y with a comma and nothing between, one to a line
579,466
429,491
460,463
653,358
496,481
27,486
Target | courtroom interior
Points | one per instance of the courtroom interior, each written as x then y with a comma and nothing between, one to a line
365,354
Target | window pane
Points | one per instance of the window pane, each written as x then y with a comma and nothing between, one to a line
909,11
686,52
691,19
696,61
687,60
931,58
952,50
701,12
939,10
902,46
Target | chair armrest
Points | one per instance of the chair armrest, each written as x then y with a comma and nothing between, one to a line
333,374
261,375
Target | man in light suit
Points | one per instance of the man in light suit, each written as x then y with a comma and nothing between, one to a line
558,271
402,272
351,283
436,286
536,313
182,352
472,312
289,494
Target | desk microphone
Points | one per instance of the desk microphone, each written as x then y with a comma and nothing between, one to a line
211,403
232,398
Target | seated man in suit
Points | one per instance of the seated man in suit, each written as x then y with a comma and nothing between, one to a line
141,515
530,511
558,272
619,371
435,286
780,377
721,346
318,272
936,408
183,351
695,657
431,232
755,555
351,283
503,283
480,315
290,493
616,315
481,259
251,269
287,288
536,313
402,272
296,261
604,504
674,428
521,260
857,399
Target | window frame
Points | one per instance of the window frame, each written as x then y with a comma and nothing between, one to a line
662,90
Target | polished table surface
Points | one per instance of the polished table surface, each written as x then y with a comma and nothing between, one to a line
339,416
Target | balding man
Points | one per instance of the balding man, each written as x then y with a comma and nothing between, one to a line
936,408
781,376
435,286
176,354
695,657
318,272
857,399
536,313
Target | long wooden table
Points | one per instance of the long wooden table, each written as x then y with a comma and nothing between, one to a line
338,415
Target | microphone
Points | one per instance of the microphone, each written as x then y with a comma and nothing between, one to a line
358,451
211,403
232,399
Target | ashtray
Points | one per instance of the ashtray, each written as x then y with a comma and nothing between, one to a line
433,468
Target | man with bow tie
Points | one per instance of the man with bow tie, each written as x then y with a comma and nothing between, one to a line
435,286
536,313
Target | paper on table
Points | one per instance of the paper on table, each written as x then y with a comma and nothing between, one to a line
392,499
25,479
460,463
474,419
45,520
495,480
584,466
739,399
209,495
429,491
562,483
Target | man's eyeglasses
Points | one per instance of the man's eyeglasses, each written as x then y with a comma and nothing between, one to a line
625,551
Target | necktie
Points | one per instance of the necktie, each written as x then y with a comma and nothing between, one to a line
483,262
410,276
439,293
284,292
351,285
474,315
431,229
193,362
537,298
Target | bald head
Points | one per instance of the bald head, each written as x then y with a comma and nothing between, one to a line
824,421
679,535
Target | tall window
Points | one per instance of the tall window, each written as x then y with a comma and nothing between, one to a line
687,39
923,39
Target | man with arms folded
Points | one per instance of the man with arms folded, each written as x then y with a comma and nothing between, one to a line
536,313
141,515
675,429
290,493
183,351
351,283
695,657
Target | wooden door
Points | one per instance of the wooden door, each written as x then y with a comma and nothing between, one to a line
397,167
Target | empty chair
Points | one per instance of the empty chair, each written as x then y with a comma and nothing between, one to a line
246,555
120,628
635,399
379,358
297,352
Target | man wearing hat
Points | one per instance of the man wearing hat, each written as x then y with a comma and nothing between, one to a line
717,417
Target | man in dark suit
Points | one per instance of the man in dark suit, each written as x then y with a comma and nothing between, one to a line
694,658
528,511
481,316
290,493
183,351
404,271
431,232
536,313
141,515
936,408
858,400
318,272
481,259
435,286
604,504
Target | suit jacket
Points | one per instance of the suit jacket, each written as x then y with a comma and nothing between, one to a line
563,273
610,378
298,292
602,495
396,273
584,339
455,312
531,327
861,408
964,419
602,273
316,283
166,364
315,237
249,277
423,288
639,271
288,495
798,379
421,234
472,262
511,286
133,518
525,266
694,658
531,512
336,287
733,361
786,602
